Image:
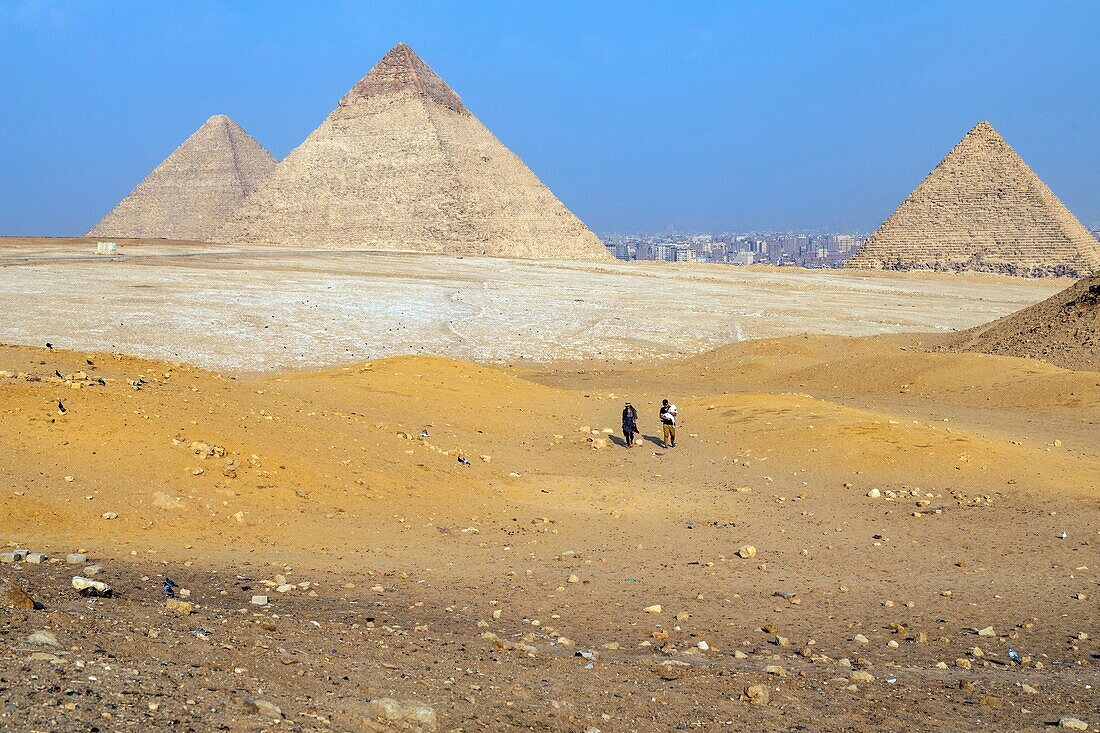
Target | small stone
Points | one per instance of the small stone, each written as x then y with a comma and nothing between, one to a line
259,600
76,558
92,570
17,598
1072,723
183,608
756,695
43,638
573,579
410,715
738,654
989,701
92,588
746,552
1028,689
7,558
110,515
776,669
36,558
874,493
987,631
892,644
269,709
860,676
703,646
655,608
962,663
861,639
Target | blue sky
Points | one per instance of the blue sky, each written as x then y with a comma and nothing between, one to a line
641,116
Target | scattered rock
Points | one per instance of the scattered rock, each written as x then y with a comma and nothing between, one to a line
17,598
262,707
92,588
110,515
259,600
776,669
756,695
746,552
76,558
861,676
655,608
410,715
1072,723
987,631
183,608
861,639
36,558
43,638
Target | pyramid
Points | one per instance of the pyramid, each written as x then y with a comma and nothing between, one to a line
190,194
401,164
983,209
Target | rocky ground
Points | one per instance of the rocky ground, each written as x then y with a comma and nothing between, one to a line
851,535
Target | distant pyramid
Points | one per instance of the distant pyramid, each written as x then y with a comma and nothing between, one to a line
402,164
982,209
195,189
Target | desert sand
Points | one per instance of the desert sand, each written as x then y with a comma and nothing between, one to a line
914,515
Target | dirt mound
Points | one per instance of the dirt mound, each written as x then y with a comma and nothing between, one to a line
1063,330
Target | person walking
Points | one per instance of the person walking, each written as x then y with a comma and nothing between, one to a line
630,424
668,422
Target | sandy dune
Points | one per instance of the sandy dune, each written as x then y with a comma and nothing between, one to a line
410,553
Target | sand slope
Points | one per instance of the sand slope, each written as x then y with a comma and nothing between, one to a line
1063,329
780,443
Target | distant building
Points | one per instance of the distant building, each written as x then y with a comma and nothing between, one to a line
741,258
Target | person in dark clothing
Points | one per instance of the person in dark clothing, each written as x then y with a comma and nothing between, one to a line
630,424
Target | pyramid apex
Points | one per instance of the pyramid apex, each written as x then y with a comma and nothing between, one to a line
401,70
983,129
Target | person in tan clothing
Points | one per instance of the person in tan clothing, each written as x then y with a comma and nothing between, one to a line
668,422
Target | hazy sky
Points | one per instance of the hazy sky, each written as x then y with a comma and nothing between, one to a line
640,116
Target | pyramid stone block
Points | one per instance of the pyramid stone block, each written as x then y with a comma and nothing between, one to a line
191,193
401,164
982,209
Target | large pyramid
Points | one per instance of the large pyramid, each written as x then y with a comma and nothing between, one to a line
982,209
401,164
191,193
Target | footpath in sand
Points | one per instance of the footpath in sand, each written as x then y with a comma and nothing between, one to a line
912,517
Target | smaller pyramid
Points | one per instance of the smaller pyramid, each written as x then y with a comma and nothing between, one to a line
982,209
195,189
